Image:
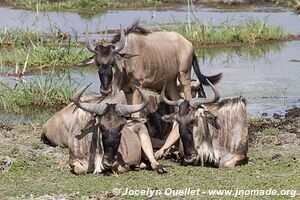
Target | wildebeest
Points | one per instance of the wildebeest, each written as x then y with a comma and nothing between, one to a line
110,120
147,59
212,133
87,151
56,130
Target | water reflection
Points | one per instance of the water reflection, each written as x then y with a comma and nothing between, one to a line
250,52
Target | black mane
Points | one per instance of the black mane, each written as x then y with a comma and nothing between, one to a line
134,28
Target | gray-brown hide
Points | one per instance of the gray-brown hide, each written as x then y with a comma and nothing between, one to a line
74,128
214,134
101,145
56,129
229,132
148,59
86,150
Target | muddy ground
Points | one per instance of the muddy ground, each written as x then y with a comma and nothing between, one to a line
30,169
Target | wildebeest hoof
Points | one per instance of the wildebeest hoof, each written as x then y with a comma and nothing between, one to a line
135,167
161,169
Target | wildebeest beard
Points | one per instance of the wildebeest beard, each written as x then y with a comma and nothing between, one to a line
105,75
111,141
186,134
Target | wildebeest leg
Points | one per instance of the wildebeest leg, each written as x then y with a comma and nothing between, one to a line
172,138
143,165
174,134
172,90
185,80
147,147
236,160
136,99
77,167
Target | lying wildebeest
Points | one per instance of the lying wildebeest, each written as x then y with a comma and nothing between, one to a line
100,146
57,129
211,133
147,59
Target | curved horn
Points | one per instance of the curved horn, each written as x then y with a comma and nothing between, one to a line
128,109
90,47
121,44
196,102
99,108
167,101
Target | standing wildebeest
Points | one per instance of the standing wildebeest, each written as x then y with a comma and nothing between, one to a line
147,59
211,133
107,130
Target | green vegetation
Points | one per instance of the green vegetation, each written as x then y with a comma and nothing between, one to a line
80,5
250,32
53,90
38,170
270,131
54,49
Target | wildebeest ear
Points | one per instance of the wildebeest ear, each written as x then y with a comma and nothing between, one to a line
169,118
135,121
87,62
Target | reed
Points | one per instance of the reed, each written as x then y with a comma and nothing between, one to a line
54,49
53,90
250,31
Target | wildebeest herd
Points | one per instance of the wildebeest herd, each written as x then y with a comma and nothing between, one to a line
142,109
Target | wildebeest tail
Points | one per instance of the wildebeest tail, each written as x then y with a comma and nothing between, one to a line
202,78
46,140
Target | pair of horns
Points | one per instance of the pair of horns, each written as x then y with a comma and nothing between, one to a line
195,102
101,108
118,47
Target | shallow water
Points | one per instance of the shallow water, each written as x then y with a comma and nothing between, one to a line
270,83
263,75
71,22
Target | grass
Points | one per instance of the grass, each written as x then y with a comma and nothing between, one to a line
36,171
55,49
251,31
270,131
53,90
80,5
17,37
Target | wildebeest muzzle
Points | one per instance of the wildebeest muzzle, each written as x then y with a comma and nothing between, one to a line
105,75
